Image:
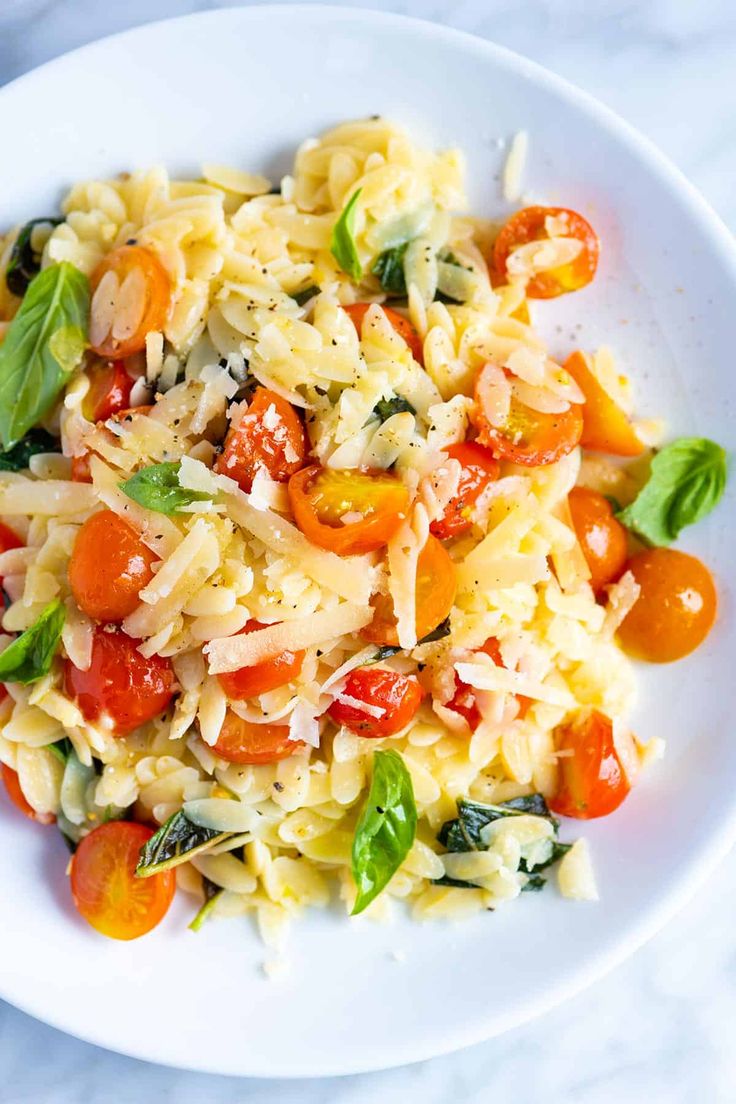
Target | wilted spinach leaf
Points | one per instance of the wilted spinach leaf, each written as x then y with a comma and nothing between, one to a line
175,842
386,408
35,441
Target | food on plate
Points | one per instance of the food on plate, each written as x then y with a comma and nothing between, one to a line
323,572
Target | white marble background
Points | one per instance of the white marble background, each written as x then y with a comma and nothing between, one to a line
660,1028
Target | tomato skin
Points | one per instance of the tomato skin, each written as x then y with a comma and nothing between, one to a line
81,472
479,468
156,288
397,695
8,540
592,780
463,700
109,391
241,741
122,688
528,225
675,610
606,427
529,437
104,887
320,496
602,538
401,325
435,593
254,442
16,795
109,566
269,674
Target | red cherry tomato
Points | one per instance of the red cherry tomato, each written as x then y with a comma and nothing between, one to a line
122,689
81,472
109,566
401,325
396,695
241,741
606,427
134,301
478,470
436,584
602,538
109,390
8,540
105,888
529,226
464,702
270,435
16,795
321,497
592,780
269,674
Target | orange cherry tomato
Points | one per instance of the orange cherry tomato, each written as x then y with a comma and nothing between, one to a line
602,538
605,426
675,610
397,695
241,741
109,566
270,435
269,674
478,470
401,325
136,292
592,780
122,689
81,472
435,592
109,390
16,795
105,888
528,437
374,504
463,701
527,226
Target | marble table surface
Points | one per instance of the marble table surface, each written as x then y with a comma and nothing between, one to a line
659,1029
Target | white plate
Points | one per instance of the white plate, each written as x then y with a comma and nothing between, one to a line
247,86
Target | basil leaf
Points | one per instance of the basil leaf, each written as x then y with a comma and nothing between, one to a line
443,629
386,828
686,481
342,242
35,441
211,895
62,749
31,654
25,262
175,842
157,488
463,833
44,344
388,268
386,408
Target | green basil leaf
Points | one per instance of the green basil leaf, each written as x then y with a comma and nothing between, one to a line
342,242
31,654
62,749
157,488
388,268
176,841
211,894
386,408
25,262
36,440
443,629
44,344
686,481
386,828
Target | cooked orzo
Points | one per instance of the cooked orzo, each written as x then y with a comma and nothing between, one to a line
322,571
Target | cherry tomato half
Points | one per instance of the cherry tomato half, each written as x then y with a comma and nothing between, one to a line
605,426
602,538
109,390
478,470
592,780
16,795
401,325
528,437
675,610
81,471
122,688
374,504
436,584
270,435
109,566
463,700
131,297
8,540
269,674
397,695
241,741
529,225
105,888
